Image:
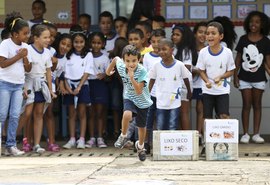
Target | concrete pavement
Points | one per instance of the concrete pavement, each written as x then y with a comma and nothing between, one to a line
119,167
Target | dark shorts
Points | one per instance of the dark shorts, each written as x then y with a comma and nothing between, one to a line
98,92
139,114
39,98
116,94
197,94
83,96
219,103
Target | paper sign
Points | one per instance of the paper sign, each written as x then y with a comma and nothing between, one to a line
176,144
221,130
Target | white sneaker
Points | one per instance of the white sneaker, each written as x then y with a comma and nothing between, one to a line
245,139
38,149
257,138
101,143
91,143
81,144
13,151
70,144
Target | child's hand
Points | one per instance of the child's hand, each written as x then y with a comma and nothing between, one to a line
208,85
131,72
23,52
101,76
53,95
25,93
217,80
77,90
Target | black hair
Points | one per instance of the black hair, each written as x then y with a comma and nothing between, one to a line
105,14
121,18
75,28
85,49
159,18
229,33
141,8
57,41
85,15
186,45
5,34
167,42
265,25
136,31
15,24
119,45
131,50
147,26
217,25
100,35
198,25
49,24
43,4
158,33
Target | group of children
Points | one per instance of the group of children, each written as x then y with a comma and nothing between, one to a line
136,70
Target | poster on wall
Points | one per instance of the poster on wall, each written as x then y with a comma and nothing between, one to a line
175,12
244,9
222,10
198,12
266,9
175,1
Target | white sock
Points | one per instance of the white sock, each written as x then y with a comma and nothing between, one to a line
122,135
140,146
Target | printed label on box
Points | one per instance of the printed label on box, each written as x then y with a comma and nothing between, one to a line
176,144
221,131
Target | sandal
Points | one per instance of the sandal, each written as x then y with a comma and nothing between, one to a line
53,148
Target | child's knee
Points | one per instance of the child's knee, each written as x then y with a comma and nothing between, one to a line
127,115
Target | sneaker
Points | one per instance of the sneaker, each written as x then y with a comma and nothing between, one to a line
245,139
129,144
81,144
91,143
147,148
13,151
121,142
141,152
38,149
101,143
53,148
26,147
257,139
70,144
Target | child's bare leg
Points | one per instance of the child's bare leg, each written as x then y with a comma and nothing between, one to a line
199,120
38,122
127,117
91,121
82,117
257,108
50,123
142,133
72,120
185,109
247,100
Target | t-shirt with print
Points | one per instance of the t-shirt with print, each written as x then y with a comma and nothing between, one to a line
76,66
14,73
216,65
40,61
143,100
100,64
149,60
168,80
253,58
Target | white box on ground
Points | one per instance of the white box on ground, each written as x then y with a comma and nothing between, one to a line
175,145
221,139
0,137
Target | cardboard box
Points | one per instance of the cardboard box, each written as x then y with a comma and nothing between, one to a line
176,145
221,139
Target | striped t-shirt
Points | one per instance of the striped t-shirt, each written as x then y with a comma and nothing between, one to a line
143,100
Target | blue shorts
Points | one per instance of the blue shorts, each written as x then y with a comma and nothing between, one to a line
139,114
83,96
39,98
197,94
98,92
250,85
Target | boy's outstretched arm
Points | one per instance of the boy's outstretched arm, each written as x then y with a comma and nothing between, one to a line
110,69
189,93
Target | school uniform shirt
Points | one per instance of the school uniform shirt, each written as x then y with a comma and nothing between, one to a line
168,80
14,73
253,58
149,60
100,64
143,100
216,65
40,62
60,66
76,66
110,44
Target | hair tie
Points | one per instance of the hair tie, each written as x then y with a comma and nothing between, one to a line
13,23
78,32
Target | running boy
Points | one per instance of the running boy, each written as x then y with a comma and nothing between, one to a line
136,95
